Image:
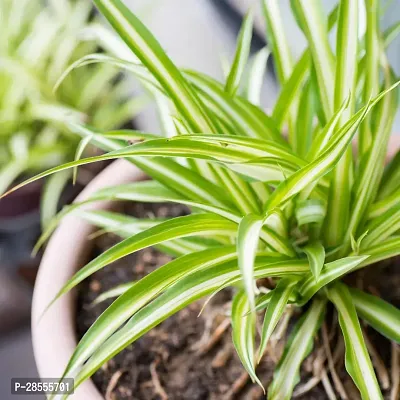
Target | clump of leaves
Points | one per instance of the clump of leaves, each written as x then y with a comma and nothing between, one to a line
38,40
304,211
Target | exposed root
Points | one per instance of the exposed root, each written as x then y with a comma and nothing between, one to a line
206,345
319,361
395,392
306,387
222,357
282,326
381,370
113,384
208,323
373,290
360,279
336,381
237,387
317,368
339,351
275,351
351,389
256,393
158,389
96,234
327,385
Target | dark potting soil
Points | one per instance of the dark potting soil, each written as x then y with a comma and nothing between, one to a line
191,357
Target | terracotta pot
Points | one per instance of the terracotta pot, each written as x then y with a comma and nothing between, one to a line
54,337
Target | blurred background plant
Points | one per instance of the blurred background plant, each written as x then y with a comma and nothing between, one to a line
38,41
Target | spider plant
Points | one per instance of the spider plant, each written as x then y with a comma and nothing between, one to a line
38,40
303,209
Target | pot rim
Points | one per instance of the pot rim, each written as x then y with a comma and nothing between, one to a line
53,334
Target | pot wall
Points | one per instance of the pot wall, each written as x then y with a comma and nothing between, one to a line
53,334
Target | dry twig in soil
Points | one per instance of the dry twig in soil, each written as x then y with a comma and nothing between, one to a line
113,384
158,389
395,392
381,370
206,345
336,380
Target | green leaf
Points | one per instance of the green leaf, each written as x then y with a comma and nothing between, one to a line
241,55
331,272
305,125
356,244
139,295
313,23
168,172
200,224
372,57
79,151
243,333
357,360
278,223
114,292
184,292
316,169
289,91
391,33
263,301
247,242
382,316
345,83
10,172
276,307
148,50
138,70
321,140
283,62
126,226
185,146
246,118
384,250
391,178
315,252
380,207
265,169
310,211
255,76
243,147
323,163
346,55
153,192
51,195
277,39
382,227
372,165
298,347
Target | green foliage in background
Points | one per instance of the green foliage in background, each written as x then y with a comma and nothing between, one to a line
38,40
304,211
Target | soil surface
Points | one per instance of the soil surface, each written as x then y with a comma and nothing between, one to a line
192,357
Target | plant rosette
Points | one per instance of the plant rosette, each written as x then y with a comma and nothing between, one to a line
56,329
303,212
